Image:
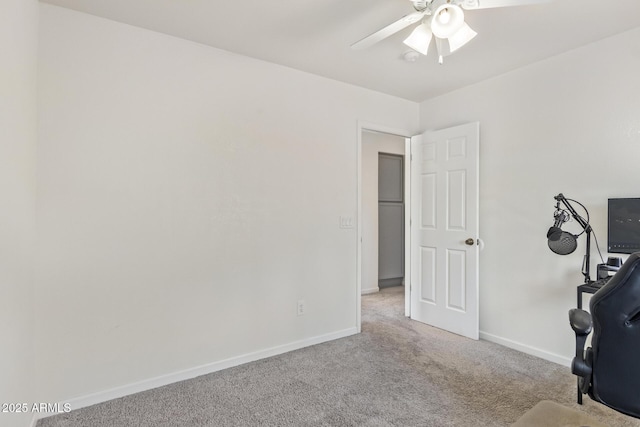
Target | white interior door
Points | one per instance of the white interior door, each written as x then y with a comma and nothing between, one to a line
444,229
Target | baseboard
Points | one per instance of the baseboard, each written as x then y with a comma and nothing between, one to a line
386,283
369,291
524,348
151,383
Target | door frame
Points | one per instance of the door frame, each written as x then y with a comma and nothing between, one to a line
367,126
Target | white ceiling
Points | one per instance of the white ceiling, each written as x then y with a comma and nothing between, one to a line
315,36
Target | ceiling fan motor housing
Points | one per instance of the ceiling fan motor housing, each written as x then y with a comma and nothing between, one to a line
420,5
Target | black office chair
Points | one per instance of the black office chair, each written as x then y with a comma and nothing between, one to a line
609,370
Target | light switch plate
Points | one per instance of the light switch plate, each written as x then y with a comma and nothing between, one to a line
346,222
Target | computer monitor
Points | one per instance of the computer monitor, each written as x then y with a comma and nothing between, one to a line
623,235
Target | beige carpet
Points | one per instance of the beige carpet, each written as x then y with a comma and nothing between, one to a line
397,372
551,414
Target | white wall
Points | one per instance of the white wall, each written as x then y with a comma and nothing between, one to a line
373,143
568,124
188,198
18,44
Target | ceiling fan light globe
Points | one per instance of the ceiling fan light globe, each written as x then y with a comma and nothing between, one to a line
444,17
420,39
447,20
461,37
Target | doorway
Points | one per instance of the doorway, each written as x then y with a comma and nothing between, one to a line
461,262
392,145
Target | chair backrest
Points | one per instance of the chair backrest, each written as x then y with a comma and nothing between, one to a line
615,310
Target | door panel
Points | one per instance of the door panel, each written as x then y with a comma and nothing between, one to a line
427,275
456,263
390,178
391,242
456,209
390,219
429,204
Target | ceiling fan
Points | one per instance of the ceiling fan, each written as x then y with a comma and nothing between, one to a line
442,20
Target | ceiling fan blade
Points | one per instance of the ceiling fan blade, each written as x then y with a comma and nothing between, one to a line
486,4
389,30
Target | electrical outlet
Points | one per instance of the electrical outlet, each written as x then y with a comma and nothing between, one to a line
301,307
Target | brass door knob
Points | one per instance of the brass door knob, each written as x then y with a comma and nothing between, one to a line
470,242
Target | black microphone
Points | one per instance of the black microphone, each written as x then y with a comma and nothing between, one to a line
560,218
562,242
565,244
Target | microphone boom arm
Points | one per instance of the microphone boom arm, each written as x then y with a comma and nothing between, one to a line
587,229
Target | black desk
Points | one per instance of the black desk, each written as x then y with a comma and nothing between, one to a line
588,288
